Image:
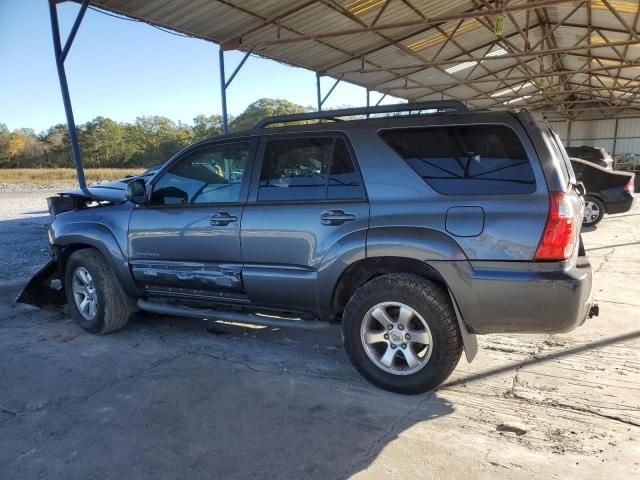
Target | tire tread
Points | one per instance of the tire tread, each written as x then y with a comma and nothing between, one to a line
116,313
427,294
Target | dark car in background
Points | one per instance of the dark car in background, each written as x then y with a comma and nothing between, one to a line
607,191
596,155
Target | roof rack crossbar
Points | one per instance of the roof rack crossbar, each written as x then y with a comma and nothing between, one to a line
456,105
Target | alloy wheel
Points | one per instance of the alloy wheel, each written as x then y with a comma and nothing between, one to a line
84,293
591,212
396,338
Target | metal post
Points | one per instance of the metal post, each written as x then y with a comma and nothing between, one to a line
381,99
318,92
224,84
60,55
223,92
321,99
615,139
368,100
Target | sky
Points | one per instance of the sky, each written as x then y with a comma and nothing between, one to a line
125,69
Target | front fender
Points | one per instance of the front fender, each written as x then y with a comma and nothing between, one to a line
102,239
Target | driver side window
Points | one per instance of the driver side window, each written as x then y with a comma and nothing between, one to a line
211,174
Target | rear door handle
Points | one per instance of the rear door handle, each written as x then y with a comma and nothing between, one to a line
336,217
220,219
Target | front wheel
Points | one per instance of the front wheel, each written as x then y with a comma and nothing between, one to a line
94,298
594,210
401,334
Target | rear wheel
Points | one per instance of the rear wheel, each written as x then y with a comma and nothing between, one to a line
594,210
401,333
94,298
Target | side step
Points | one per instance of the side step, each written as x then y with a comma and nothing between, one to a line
227,316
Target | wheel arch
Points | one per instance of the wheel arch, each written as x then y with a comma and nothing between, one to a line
80,236
362,271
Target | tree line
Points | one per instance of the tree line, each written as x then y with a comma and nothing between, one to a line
105,143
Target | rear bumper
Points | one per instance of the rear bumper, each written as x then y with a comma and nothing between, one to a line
522,297
622,206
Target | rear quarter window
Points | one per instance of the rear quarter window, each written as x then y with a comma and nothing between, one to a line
466,159
563,157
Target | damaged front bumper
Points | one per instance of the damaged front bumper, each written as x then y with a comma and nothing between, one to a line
45,287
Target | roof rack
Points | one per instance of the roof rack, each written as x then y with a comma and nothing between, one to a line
442,105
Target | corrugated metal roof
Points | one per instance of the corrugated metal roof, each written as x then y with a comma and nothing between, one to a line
422,49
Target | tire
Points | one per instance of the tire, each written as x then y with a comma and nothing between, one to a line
594,210
431,306
110,312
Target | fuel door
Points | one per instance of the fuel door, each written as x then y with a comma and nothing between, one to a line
465,221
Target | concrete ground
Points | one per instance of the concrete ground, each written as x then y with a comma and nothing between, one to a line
176,398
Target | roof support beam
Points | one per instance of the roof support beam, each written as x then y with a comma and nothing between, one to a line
402,39
611,108
423,22
236,39
553,28
580,89
636,18
522,77
224,84
528,54
597,99
621,19
61,55
237,45
322,99
74,31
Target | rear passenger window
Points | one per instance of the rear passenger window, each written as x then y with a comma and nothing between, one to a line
317,168
344,182
466,159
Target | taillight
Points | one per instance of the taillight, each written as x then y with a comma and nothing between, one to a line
558,239
629,188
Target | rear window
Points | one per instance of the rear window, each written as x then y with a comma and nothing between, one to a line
466,159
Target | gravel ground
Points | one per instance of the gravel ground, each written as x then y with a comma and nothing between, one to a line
24,220
34,187
175,398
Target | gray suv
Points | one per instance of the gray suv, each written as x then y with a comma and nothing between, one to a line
415,232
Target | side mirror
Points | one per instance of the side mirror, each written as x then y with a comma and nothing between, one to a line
581,189
137,191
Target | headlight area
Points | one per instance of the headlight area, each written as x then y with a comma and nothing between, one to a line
63,203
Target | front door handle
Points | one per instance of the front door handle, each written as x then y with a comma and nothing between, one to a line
336,217
220,219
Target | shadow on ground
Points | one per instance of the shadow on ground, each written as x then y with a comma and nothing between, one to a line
169,398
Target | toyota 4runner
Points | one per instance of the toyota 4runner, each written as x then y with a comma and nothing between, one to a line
416,232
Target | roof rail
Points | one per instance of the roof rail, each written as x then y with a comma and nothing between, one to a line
456,105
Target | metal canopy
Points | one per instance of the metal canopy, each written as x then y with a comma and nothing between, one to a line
567,58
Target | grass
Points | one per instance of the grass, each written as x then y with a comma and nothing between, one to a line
43,176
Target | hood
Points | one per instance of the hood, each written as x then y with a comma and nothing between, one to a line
109,191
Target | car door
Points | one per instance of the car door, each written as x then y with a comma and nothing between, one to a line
307,204
186,240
